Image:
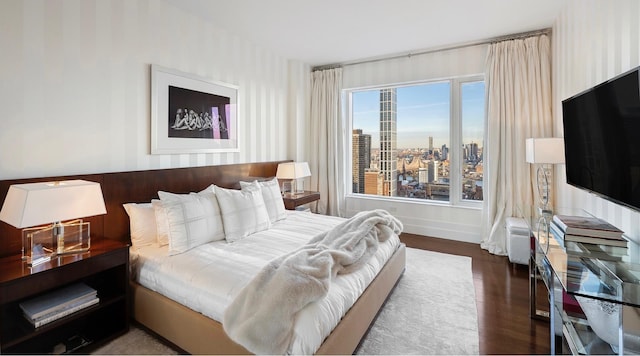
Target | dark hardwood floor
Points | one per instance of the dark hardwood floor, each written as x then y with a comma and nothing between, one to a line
502,298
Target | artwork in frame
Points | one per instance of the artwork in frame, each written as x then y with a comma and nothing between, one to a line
191,114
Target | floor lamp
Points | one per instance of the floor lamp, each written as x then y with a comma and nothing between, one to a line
544,152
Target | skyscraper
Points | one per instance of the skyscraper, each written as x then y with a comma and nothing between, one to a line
473,148
361,155
432,171
430,144
388,140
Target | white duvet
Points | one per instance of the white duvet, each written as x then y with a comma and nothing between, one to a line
207,278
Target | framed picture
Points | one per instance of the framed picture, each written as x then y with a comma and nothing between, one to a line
190,114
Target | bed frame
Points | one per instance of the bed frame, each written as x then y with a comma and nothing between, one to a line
185,328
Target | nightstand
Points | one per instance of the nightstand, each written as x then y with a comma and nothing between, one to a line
294,200
105,267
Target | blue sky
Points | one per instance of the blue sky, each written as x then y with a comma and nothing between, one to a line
423,111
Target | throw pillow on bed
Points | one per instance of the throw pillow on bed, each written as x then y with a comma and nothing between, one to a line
162,227
142,223
193,220
272,197
243,212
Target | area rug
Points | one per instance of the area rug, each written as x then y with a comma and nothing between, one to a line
431,311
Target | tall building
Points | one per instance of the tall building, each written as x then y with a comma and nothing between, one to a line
361,156
373,181
388,164
432,171
473,150
445,153
430,144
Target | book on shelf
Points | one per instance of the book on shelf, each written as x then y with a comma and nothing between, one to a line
68,310
587,226
56,300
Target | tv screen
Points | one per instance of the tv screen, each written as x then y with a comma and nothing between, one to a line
602,139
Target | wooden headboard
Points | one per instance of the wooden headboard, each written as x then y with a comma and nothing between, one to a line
137,187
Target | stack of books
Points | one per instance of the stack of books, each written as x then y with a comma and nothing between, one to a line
54,305
587,229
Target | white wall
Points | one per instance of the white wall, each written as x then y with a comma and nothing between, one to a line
75,86
593,40
429,219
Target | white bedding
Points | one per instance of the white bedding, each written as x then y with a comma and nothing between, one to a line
207,278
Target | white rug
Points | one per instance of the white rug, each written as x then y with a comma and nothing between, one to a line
431,311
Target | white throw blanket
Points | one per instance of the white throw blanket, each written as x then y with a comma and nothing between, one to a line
261,317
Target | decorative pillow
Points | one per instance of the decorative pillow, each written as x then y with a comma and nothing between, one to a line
142,223
272,197
243,212
193,220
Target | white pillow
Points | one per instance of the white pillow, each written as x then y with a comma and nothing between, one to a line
142,223
162,222
243,212
193,220
272,198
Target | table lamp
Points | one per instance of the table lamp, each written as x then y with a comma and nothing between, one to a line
55,204
293,171
544,151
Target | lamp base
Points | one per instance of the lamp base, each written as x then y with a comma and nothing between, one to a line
76,238
41,244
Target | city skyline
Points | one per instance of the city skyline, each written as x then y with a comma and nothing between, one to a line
397,130
423,111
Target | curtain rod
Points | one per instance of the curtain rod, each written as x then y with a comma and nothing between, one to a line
514,36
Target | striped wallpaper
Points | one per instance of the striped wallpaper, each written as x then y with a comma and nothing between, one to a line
75,86
593,40
75,90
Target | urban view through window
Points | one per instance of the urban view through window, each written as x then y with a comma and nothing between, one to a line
401,141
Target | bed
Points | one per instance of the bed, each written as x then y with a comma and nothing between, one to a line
195,331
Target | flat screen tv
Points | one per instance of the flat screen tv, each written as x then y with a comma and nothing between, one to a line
602,139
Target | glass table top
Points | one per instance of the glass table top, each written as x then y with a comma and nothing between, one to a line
591,270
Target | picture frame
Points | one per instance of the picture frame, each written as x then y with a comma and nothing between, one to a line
192,114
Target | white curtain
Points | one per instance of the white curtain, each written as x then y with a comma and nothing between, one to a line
518,81
326,141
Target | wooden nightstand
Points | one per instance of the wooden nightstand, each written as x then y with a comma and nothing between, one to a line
292,201
105,268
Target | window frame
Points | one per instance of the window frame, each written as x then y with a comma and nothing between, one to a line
455,141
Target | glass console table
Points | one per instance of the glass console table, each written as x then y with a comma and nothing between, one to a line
593,290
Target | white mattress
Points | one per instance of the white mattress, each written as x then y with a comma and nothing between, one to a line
207,278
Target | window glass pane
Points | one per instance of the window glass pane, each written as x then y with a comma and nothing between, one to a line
367,126
423,134
401,141
472,102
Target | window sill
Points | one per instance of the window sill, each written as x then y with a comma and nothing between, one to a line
473,205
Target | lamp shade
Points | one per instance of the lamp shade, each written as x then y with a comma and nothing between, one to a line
35,204
545,150
293,170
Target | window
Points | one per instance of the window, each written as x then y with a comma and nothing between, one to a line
472,122
419,141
